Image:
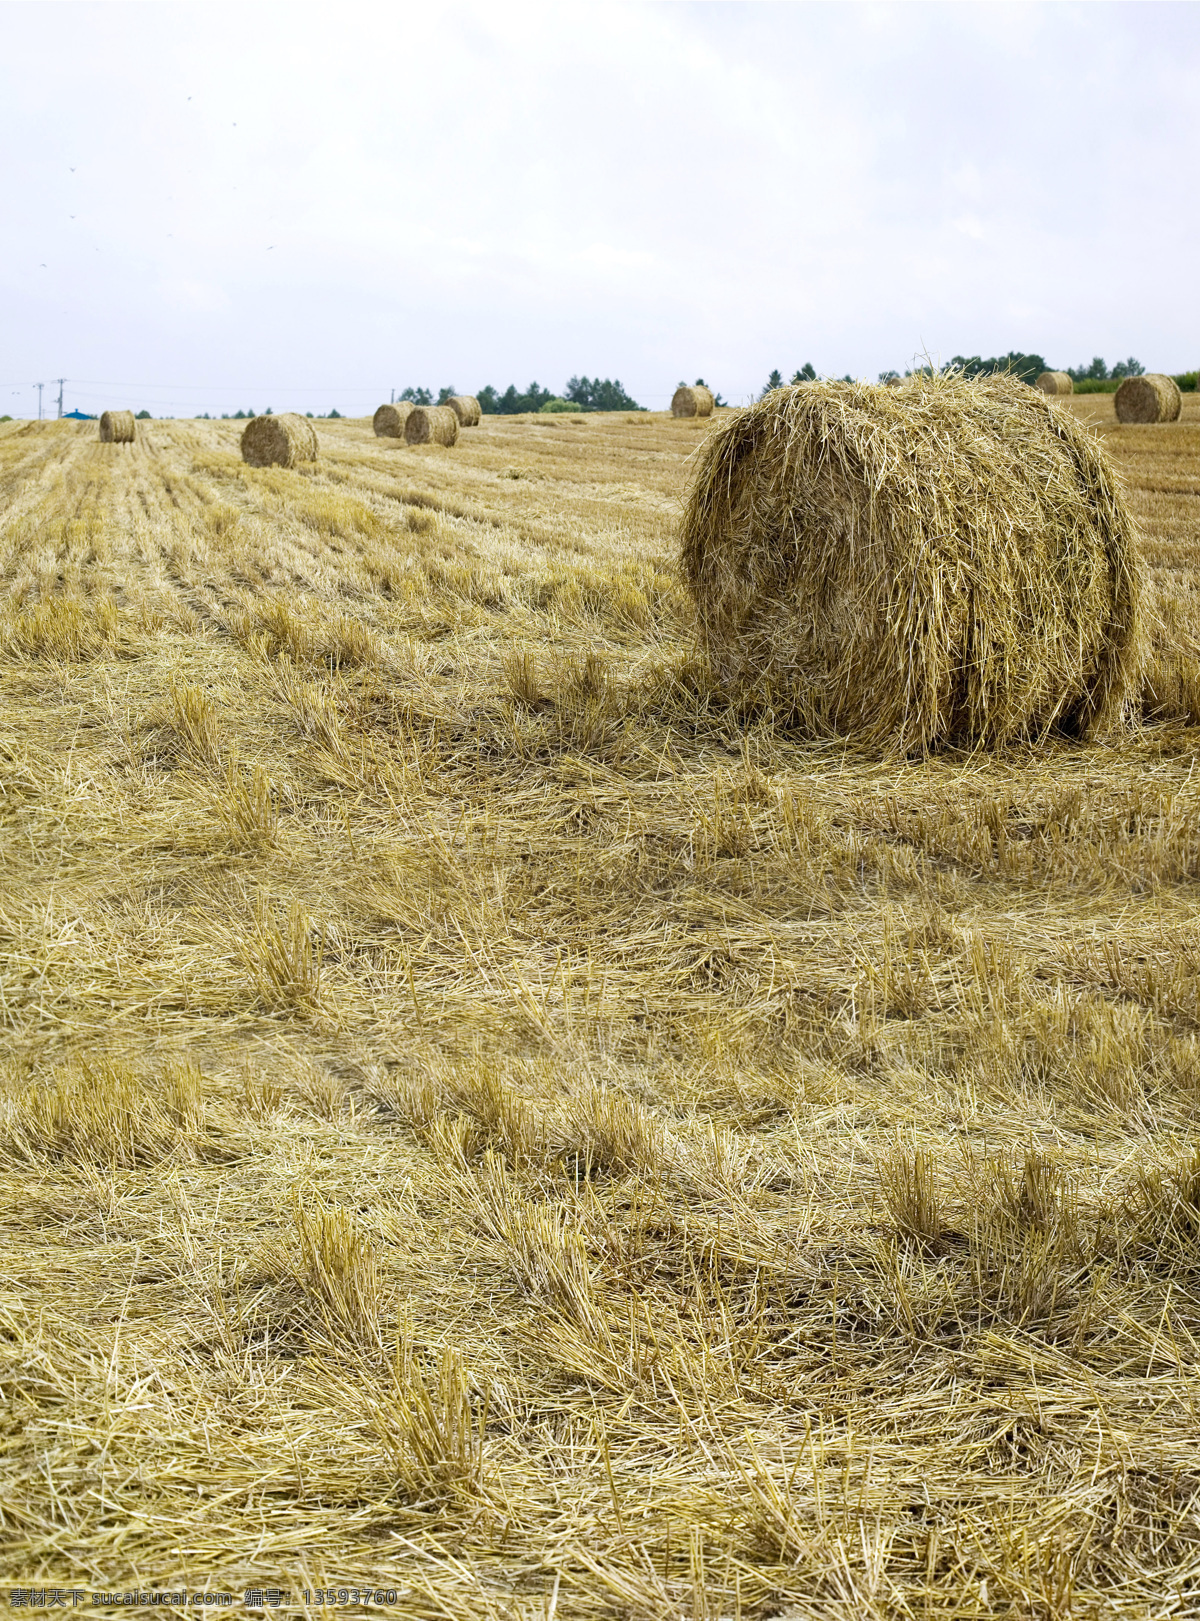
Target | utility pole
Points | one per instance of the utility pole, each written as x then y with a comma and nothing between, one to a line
39,387
393,396
60,381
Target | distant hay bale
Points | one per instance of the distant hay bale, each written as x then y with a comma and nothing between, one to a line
692,402
389,420
466,409
431,425
916,566
1055,382
1150,398
117,428
280,441
892,382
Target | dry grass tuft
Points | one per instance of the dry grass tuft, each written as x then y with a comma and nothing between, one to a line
431,1430
195,725
100,1113
910,1187
61,628
283,958
909,568
247,807
339,1271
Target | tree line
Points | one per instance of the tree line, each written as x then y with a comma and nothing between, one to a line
584,393
1027,368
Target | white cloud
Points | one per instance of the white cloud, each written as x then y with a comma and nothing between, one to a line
381,195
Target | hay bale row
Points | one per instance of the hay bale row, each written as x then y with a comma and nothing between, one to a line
280,441
430,426
692,402
117,428
1149,398
1055,382
911,567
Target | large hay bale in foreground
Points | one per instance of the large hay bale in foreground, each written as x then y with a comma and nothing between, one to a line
1056,382
280,441
1150,398
431,425
914,566
466,408
692,402
389,420
118,428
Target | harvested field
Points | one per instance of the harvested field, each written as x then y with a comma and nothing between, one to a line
482,1117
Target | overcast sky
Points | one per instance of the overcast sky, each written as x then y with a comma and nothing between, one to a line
219,206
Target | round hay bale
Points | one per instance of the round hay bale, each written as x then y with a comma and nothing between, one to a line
280,441
1149,398
117,428
692,402
431,425
1055,382
466,409
893,382
911,567
389,420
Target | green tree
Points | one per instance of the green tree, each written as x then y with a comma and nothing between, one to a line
775,380
512,403
417,396
1128,368
806,374
596,394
